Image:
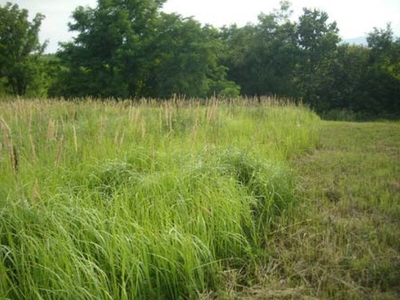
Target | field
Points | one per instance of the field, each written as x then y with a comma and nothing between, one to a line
195,200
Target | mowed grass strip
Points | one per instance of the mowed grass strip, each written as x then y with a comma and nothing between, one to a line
343,239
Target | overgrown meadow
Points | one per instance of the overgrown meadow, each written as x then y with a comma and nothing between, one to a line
141,200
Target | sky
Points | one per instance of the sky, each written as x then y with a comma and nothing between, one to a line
355,18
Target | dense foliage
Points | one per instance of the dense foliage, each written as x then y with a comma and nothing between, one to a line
20,50
130,49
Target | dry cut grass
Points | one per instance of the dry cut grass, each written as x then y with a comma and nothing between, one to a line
342,241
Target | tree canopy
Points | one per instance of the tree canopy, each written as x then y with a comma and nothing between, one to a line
20,48
131,49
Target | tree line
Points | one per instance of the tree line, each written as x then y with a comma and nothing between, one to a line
131,49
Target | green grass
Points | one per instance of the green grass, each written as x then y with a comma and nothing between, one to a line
141,201
196,200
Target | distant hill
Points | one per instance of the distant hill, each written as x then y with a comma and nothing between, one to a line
362,40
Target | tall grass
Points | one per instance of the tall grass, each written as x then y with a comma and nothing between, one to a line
148,200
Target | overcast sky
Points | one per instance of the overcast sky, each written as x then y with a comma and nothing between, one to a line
355,18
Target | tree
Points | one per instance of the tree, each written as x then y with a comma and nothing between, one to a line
338,82
185,60
236,55
382,79
318,42
20,48
261,57
276,52
349,69
109,56
127,48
